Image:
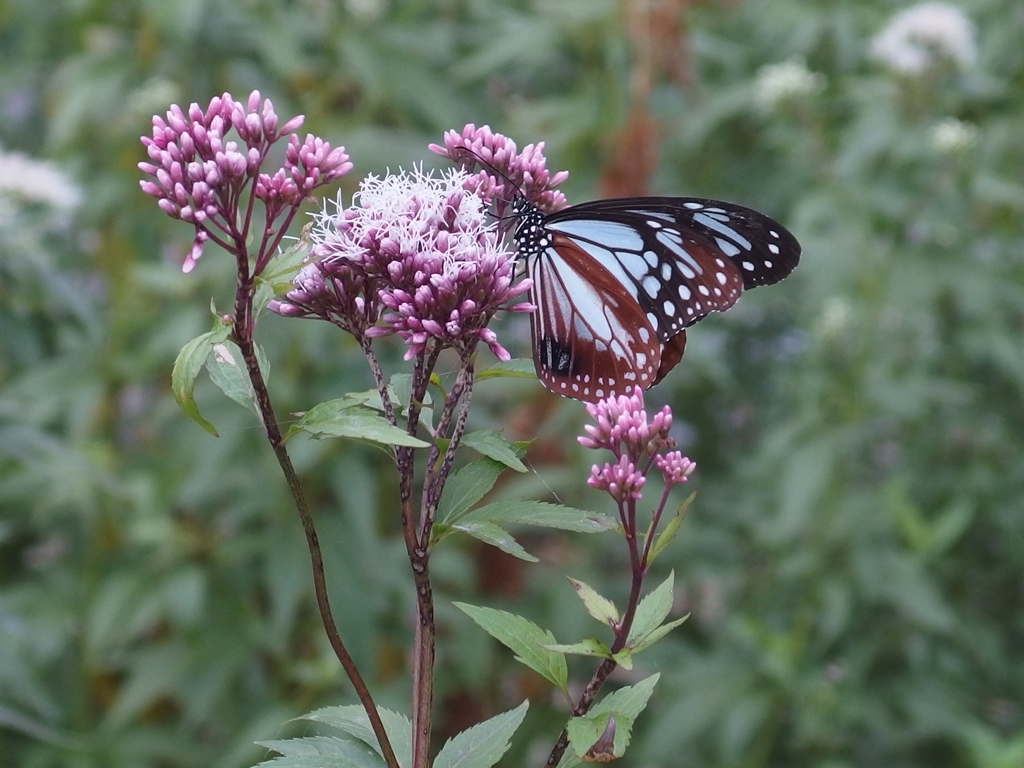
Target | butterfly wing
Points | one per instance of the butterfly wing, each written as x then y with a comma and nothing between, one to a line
677,276
590,338
609,273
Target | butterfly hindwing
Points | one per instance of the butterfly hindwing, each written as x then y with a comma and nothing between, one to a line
589,339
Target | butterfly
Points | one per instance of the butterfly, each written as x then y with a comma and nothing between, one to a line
616,283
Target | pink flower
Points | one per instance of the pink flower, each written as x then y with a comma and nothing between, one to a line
501,165
621,426
198,175
422,256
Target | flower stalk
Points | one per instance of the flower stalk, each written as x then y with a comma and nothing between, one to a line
639,445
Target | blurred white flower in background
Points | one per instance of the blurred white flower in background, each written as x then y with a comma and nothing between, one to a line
37,181
919,36
777,83
951,135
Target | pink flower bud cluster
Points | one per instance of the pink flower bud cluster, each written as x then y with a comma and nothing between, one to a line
419,253
501,164
621,426
198,176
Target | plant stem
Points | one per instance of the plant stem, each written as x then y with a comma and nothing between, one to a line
638,569
423,641
243,337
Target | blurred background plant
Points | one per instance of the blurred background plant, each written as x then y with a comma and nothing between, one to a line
854,560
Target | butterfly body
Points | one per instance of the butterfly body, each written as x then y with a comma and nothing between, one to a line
617,282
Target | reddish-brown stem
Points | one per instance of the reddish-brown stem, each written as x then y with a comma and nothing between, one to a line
423,641
242,335
461,395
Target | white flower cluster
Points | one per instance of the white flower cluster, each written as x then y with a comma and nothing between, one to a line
419,212
37,181
777,83
951,135
919,36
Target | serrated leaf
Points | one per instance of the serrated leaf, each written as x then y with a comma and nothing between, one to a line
626,704
466,487
347,418
543,514
520,368
524,638
276,277
584,732
228,371
653,610
352,720
189,362
670,530
588,647
601,608
629,701
286,264
655,635
489,533
482,745
490,443
624,658
322,752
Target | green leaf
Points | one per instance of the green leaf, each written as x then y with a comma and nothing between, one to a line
524,638
348,417
584,732
626,704
186,368
520,368
352,720
629,701
228,371
496,536
669,533
653,610
466,487
490,443
322,752
482,745
276,278
284,265
601,608
655,635
588,647
543,514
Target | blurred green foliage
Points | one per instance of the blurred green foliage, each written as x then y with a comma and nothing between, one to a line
854,560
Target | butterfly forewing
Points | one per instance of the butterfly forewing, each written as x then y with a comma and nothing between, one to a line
676,276
590,338
762,249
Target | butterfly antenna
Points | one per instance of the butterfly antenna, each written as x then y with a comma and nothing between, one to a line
460,154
